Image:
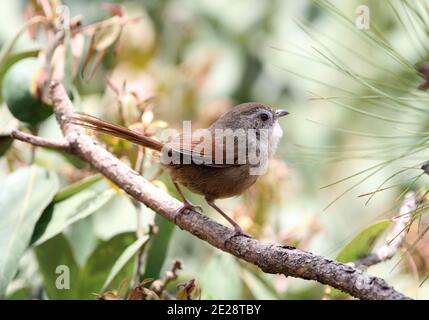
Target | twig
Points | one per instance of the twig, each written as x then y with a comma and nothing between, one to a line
397,236
139,234
159,285
139,230
7,48
60,144
270,257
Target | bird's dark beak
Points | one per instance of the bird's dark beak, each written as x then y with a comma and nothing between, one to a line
281,113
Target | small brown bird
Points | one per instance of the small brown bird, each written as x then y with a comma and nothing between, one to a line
206,163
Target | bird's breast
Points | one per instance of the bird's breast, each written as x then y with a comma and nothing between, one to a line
276,135
213,182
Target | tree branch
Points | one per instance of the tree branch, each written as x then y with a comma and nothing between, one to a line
60,144
271,258
396,237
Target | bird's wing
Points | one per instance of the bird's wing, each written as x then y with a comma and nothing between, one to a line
194,147
202,149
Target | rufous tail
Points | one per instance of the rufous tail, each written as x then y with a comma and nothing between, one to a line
94,123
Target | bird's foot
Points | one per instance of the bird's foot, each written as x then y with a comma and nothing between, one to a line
187,206
238,232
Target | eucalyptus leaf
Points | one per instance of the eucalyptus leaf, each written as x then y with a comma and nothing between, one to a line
119,216
19,294
362,244
77,187
82,239
58,216
109,263
158,249
359,247
5,143
257,287
99,265
221,278
124,259
24,195
59,268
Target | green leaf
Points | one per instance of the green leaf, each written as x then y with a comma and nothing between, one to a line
59,268
221,278
158,249
19,294
73,160
257,287
108,264
124,259
82,239
362,244
119,216
101,262
77,187
23,196
60,215
5,143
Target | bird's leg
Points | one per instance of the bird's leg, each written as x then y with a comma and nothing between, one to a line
187,205
238,231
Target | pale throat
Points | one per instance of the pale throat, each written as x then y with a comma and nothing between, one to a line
275,137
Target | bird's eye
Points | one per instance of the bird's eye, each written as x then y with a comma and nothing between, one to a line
264,117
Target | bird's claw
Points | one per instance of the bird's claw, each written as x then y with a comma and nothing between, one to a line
187,206
238,232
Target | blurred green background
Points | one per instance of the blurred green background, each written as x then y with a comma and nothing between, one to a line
354,104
